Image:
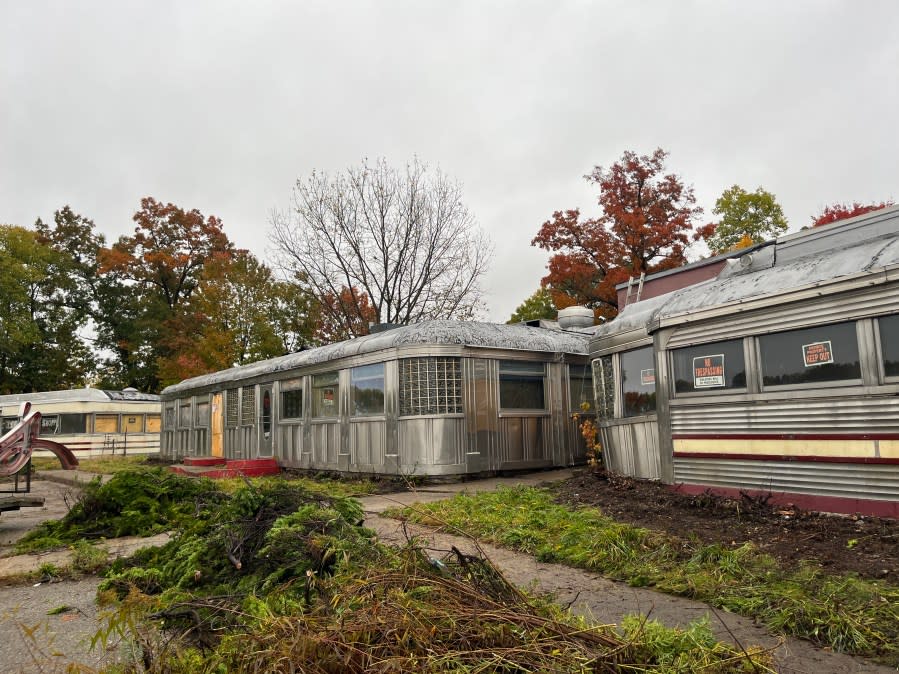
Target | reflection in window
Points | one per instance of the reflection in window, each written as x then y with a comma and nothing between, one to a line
707,368
638,381
823,353
367,389
430,385
292,404
580,386
889,344
73,423
521,385
325,390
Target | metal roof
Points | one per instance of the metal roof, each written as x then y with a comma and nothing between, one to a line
78,395
516,337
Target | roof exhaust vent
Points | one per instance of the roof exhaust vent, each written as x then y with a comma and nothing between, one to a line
575,317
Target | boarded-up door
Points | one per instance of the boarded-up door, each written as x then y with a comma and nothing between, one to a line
218,414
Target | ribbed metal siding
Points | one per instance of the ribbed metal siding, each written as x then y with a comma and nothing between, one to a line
843,414
860,303
870,481
632,448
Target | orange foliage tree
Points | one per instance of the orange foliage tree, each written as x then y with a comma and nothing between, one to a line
647,215
836,212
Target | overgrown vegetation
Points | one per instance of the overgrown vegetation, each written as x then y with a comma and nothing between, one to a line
101,465
845,613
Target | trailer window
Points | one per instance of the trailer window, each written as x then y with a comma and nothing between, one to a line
604,387
708,368
133,423
367,389
819,354
106,423
325,395
580,388
248,406
49,424
73,423
430,385
638,381
232,408
521,385
889,344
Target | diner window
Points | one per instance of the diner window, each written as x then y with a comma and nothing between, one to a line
73,423
706,368
184,413
604,387
430,385
325,395
580,388
232,408
367,389
638,381
170,417
292,400
889,344
202,413
248,406
521,385
819,354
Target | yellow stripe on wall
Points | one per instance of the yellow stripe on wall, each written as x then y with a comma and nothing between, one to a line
857,449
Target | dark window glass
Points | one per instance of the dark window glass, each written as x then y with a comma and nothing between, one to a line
824,353
367,385
889,344
521,385
49,424
638,381
266,412
9,423
73,423
325,395
707,368
580,386
292,404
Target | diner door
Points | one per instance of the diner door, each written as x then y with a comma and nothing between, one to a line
265,441
218,447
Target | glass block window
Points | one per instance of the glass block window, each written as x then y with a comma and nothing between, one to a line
604,387
521,385
367,389
431,385
889,344
638,381
580,387
822,353
232,408
709,368
248,406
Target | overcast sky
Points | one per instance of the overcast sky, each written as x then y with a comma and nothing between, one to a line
221,106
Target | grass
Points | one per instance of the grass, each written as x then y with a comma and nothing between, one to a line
102,465
845,613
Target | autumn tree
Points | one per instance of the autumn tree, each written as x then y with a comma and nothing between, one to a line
343,314
403,240
538,305
745,218
841,211
646,218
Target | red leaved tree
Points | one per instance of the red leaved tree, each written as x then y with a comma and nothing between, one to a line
647,216
836,212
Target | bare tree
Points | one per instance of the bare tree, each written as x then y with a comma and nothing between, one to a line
376,242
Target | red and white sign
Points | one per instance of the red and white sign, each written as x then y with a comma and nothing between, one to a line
817,353
708,371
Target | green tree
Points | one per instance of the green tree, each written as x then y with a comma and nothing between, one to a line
745,217
538,305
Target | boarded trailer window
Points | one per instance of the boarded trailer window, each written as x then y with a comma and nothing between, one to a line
73,423
819,354
580,388
184,413
325,395
521,385
604,387
106,423
638,382
708,368
367,390
202,414
133,423
153,423
889,344
431,385
248,406
232,408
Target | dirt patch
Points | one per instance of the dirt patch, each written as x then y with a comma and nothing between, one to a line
868,546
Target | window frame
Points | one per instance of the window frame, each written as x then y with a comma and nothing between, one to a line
430,386
354,411
881,357
714,390
519,370
333,375
586,379
619,384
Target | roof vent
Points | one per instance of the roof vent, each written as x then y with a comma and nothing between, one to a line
575,317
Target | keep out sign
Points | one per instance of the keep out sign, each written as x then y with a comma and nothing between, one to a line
708,371
817,353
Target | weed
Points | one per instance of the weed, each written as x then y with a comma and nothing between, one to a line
88,558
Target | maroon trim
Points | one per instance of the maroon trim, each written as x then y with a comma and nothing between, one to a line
785,436
786,457
831,504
